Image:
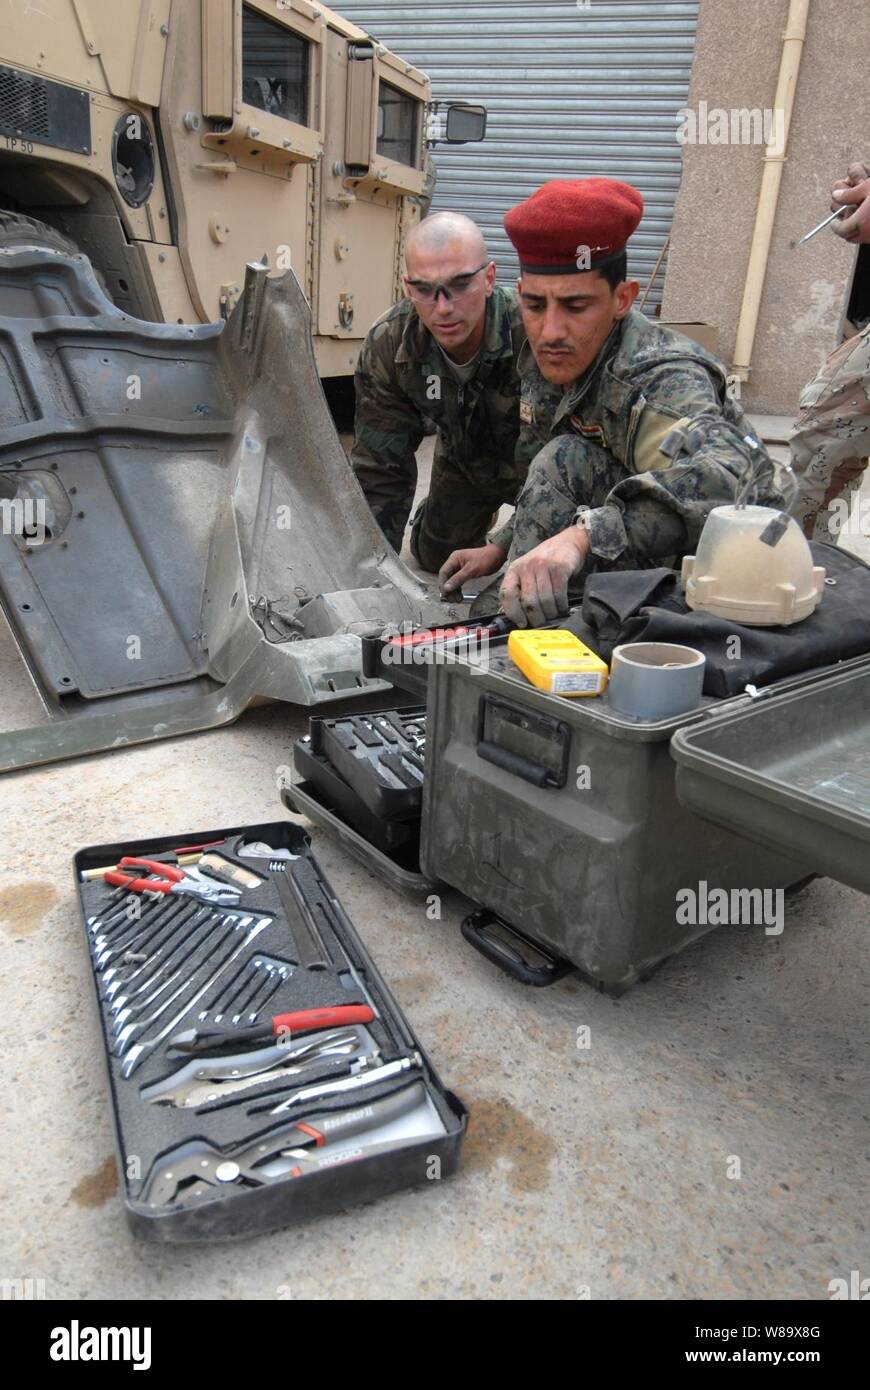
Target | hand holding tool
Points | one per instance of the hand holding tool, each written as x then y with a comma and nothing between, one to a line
197,1040
825,222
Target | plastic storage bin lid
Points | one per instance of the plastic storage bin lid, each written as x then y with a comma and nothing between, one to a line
791,770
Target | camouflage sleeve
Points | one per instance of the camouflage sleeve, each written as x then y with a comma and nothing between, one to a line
689,454
387,432
503,536
531,440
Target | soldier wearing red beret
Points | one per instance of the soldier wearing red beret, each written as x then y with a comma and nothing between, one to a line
644,439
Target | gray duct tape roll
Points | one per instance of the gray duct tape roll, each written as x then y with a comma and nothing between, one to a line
655,680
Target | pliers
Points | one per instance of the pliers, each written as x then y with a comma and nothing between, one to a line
197,1168
170,879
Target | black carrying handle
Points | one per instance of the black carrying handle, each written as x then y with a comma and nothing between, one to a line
536,773
556,731
513,962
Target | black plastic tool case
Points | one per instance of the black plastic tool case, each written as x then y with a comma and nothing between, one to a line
145,1131
387,835
379,755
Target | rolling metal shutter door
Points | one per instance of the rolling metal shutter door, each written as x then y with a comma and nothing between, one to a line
571,90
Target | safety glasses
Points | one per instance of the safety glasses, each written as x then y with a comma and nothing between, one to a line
426,293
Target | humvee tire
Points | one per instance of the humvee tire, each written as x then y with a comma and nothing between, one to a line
17,230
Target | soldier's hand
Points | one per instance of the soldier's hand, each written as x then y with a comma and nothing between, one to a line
855,174
535,588
469,564
856,227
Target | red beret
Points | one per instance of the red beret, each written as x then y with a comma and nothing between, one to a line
573,224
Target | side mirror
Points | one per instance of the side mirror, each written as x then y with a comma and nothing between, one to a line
465,123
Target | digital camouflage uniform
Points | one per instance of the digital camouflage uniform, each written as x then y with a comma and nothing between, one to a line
481,454
831,439
648,440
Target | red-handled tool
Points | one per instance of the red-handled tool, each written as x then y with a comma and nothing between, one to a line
167,876
496,628
281,1025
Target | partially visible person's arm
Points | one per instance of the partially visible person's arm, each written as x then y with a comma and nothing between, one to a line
856,227
387,432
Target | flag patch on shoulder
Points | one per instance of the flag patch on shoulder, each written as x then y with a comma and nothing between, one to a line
592,432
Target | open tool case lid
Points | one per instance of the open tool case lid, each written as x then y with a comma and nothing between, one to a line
790,769
146,1133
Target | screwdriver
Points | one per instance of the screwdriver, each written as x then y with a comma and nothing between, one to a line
496,628
196,1040
824,223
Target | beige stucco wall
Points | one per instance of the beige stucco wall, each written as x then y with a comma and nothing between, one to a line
737,57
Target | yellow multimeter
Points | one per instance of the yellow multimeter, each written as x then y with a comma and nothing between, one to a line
557,662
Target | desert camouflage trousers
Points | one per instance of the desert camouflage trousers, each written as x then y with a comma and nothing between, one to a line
831,440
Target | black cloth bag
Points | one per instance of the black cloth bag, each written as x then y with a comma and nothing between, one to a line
647,606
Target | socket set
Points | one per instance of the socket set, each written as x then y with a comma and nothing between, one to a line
260,1071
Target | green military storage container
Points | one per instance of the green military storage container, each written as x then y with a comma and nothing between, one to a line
562,817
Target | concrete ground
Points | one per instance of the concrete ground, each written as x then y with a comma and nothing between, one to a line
711,1142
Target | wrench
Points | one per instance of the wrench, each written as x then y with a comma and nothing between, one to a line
126,1006
127,1031
153,946
140,1050
105,949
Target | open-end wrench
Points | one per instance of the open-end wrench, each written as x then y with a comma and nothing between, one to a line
244,983
215,1079
127,1006
155,948
197,1168
107,949
140,1050
126,1031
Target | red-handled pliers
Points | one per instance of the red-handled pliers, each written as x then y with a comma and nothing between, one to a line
167,876
281,1025
174,880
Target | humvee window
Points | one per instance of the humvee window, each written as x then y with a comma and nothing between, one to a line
274,68
397,125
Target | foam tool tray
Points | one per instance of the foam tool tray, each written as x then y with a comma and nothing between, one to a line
232,1119
379,755
318,772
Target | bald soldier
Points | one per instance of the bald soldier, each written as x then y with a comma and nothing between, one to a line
644,439
445,353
